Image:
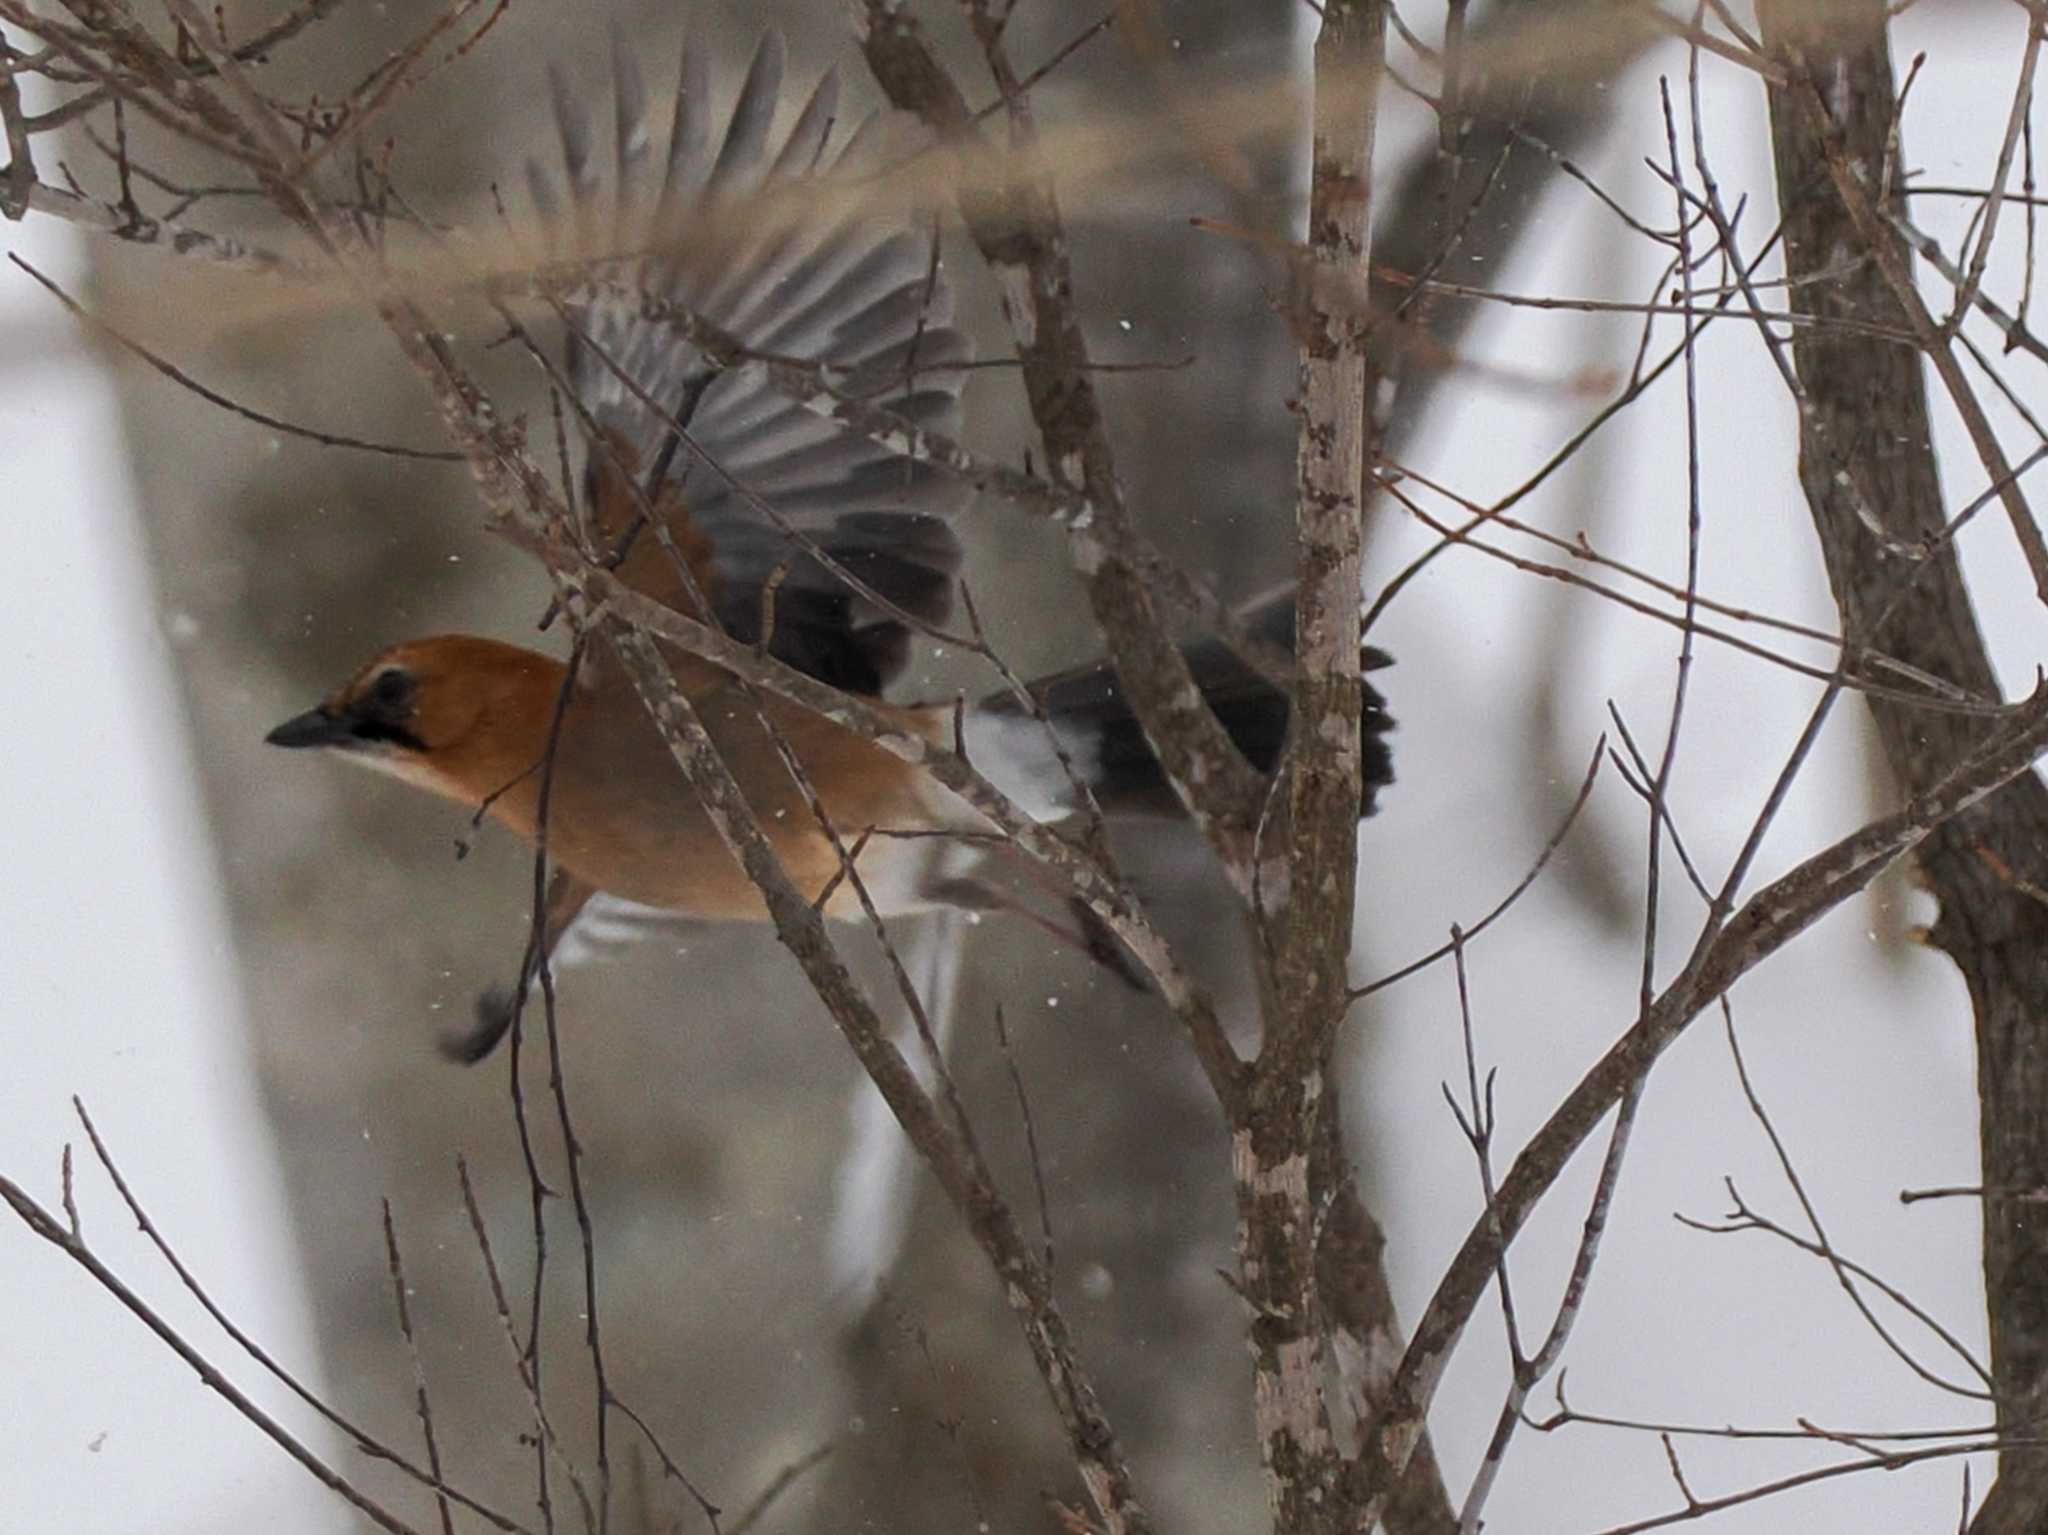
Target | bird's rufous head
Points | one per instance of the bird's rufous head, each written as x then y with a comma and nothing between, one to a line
452,713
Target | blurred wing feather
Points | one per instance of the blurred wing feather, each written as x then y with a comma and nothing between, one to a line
733,237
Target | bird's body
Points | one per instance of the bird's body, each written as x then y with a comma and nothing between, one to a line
620,816
609,779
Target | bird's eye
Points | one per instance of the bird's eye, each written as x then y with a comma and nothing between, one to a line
382,710
392,690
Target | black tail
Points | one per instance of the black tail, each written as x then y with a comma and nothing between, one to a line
1089,709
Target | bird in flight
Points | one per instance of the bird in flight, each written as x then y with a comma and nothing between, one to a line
709,490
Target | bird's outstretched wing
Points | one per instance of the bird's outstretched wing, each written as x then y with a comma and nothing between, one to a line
765,243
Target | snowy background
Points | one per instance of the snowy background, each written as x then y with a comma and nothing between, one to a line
123,983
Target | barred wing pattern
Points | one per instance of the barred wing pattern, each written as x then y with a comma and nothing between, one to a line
858,291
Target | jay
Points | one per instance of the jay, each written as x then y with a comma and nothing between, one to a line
781,527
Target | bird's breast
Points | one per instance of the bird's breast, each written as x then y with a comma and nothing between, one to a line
622,816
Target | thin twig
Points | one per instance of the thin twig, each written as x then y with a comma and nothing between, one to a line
1030,1135
184,380
778,1484
422,1403
2016,122
362,1440
1543,858
43,1224
522,1366
1825,1248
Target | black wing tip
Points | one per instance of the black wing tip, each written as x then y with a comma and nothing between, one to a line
1376,753
495,1010
1089,704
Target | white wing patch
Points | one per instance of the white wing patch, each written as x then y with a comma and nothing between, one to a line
872,1195
607,924
1016,754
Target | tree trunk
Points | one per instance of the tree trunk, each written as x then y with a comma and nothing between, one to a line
1866,432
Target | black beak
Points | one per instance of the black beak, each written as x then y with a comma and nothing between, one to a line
316,727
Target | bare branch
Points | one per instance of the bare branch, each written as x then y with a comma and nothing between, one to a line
58,1235
1771,919
423,1403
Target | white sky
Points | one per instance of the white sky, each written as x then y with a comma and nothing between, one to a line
120,987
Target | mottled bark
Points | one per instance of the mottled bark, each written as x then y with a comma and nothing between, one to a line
1310,889
1867,434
